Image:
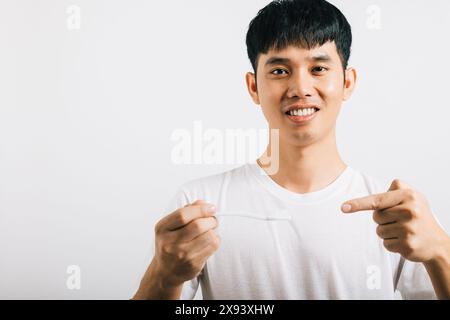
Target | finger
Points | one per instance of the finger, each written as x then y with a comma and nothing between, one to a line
383,217
200,256
392,245
398,213
183,216
399,184
199,243
378,201
193,229
389,231
195,202
208,249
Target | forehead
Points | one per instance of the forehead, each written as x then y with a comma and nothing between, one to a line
297,55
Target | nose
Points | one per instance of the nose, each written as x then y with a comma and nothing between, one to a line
300,85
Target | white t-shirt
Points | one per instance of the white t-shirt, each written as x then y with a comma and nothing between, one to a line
278,244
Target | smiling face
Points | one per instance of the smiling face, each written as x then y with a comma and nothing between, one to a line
291,81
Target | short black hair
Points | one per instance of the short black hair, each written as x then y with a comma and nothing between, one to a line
302,23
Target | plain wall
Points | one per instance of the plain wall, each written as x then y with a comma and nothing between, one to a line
87,115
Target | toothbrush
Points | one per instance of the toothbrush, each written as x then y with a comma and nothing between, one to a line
246,214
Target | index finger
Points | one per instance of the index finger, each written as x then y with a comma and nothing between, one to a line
183,216
378,201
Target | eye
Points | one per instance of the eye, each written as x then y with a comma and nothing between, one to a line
319,69
277,72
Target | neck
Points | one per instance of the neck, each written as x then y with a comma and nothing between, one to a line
304,169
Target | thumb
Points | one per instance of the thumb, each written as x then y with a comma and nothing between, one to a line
197,202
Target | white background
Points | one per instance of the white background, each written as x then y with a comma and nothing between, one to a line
86,117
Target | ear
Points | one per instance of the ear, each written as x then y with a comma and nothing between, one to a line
350,82
250,79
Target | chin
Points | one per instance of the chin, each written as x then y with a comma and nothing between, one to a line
300,139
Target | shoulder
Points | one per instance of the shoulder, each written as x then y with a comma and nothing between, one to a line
210,186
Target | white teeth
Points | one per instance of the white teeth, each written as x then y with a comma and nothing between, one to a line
302,112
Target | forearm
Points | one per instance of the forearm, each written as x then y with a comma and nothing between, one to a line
152,287
439,272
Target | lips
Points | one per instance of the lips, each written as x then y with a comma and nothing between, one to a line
302,119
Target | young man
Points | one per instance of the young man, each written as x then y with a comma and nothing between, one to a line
284,234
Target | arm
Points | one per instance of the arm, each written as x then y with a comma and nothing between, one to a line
154,287
439,271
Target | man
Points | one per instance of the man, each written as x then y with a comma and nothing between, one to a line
295,233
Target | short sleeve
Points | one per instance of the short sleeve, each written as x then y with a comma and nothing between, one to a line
414,282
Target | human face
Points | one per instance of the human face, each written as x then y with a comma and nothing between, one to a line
297,78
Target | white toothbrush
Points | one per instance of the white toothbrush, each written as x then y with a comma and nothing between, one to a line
246,214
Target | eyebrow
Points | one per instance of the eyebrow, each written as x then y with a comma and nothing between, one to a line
322,57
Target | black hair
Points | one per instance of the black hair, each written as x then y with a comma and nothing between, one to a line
302,23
